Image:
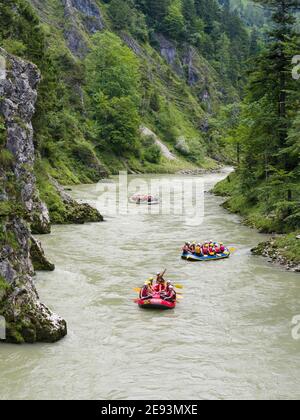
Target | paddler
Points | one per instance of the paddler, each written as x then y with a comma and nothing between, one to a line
222,247
217,248
193,247
160,285
198,251
170,295
205,249
186,248
146,291
211,249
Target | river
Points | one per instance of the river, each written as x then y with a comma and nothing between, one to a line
229,337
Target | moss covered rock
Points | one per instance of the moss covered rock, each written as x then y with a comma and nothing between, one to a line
39,260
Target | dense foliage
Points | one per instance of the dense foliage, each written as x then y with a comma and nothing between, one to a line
267,184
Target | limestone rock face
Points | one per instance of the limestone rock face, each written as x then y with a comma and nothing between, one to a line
27,319
81,15
41,223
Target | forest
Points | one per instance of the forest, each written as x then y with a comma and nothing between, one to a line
212,79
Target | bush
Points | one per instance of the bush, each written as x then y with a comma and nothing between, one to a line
153,154
14,47
182,146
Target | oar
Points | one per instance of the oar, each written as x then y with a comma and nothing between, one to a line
232,249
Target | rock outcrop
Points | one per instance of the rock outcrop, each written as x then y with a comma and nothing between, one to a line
27,319
81,15
187,63
75,212
39,260
41,223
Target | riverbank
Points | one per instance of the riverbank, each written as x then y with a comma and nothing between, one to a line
284,249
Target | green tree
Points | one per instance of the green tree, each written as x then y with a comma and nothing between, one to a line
113,85
121,13
112,67
273,78
173,24
118,122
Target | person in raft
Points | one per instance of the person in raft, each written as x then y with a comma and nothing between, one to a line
208,248
170,294
160,285
198,250
146,291
186,248
205,249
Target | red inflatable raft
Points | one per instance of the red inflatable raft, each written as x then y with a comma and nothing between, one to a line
155,303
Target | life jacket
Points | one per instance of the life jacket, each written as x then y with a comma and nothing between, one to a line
171,295
205,250
198,250
211,251
158,288
222,248
144,292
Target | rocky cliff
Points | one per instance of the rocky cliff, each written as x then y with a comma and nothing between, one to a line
81,16
27,319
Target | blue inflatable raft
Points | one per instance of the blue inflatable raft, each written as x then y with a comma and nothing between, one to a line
194,257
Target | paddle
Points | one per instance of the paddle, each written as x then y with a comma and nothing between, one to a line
232,249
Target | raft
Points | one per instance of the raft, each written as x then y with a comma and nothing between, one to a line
134,200
193,257
156,303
